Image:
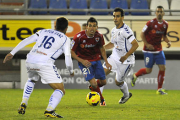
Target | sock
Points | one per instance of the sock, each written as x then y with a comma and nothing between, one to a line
98,90
54,99
101,89
141,72
28,89
161,79
124,89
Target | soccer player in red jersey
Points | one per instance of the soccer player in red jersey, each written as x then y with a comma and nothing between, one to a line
87,49
152,33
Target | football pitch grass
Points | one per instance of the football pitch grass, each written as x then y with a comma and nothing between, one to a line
143,105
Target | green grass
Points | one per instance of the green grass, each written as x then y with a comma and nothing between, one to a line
143,105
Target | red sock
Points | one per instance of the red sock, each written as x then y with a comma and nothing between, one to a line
98,90
142,71
98,83
161,78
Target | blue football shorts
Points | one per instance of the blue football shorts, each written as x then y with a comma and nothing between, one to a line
95,71
151,58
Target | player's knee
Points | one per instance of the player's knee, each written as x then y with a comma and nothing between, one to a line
103,82
119,83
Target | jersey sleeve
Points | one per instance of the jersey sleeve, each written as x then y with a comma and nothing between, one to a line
75,42
67,53
165,33
66,47
101,40
26,41
147,27
128,34
112,36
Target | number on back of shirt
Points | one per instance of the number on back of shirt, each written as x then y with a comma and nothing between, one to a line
47,42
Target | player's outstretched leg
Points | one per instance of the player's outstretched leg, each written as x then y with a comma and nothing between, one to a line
22,108
133,80
125,99
102,103
52,114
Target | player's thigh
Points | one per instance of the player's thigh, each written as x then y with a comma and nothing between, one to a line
49,74
122,72
160,58
32,71
88,73
99,71
149,60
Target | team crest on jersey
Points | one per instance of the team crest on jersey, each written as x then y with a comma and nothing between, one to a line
97,39
164,25
84,41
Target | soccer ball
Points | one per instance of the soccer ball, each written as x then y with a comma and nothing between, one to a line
93,98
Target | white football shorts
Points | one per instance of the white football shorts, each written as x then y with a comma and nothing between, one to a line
48,73
121,70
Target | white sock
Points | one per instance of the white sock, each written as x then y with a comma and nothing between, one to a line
101,89
124,89
54,99
28,89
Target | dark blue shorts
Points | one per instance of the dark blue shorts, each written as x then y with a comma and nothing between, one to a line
95,71
151,58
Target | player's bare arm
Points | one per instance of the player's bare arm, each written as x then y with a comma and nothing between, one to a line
165,38
109,46
84,62
103,53
135,45
8,57
149,46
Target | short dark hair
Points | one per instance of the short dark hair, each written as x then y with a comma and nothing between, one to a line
117,9
61,23
92,19
160,7
84,24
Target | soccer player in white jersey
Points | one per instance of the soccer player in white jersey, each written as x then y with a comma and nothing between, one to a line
50,44
122,58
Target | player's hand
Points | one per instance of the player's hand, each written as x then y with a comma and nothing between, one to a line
150,47
86,63
168,44
123,58
8,57
108,66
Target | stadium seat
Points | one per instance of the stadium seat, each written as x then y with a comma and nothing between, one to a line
78,4
139,4
175,6
58,4
155,3
98,4
38,4
119,3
